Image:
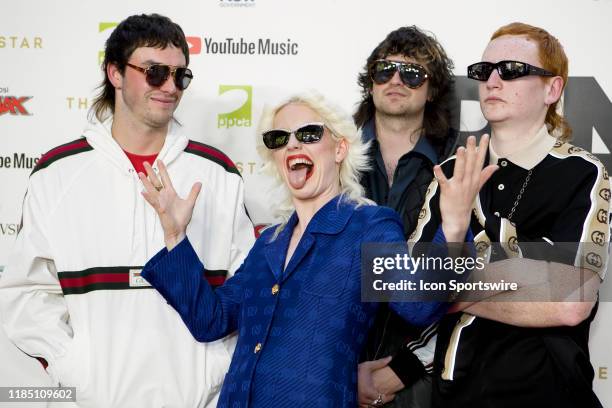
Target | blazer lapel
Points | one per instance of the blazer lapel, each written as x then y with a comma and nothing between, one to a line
276,251
304,246
330,219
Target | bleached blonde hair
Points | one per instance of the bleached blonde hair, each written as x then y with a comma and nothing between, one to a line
341,127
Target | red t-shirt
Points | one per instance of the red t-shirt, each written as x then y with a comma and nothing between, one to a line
138,160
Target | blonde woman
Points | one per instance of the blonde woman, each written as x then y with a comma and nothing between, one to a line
296,300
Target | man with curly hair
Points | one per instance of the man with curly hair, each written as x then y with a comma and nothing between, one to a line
404,112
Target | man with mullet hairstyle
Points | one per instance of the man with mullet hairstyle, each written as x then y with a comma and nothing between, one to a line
72,294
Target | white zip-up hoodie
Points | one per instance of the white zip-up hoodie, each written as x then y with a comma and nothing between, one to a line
71,292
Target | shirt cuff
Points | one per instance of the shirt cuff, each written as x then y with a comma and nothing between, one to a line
164,259
440,238
407,367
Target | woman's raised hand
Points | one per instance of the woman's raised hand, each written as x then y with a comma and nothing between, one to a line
174,212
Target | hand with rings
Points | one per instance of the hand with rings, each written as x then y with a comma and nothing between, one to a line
378,402
369,393
174,212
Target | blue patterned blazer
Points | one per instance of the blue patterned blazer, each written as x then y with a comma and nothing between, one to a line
300,330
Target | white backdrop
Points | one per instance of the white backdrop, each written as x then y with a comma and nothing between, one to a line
49,68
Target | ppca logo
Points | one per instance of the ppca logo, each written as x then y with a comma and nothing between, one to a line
240,117
194,43
104,26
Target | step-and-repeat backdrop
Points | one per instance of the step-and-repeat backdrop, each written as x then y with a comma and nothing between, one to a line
245,53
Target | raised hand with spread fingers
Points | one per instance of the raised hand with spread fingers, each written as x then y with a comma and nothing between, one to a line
174,212
457,194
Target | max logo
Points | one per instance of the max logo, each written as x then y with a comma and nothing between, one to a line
240,117
13,105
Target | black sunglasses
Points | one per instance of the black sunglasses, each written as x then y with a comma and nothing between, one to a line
412,75
308,133
157,74
507,70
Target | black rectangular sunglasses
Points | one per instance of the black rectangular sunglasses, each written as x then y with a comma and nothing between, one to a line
307,133
412,75
157,74
507,70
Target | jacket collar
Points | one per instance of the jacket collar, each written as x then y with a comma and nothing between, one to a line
99,136
532,154
330,219
423,146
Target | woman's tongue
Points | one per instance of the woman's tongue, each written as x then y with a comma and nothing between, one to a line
298,175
